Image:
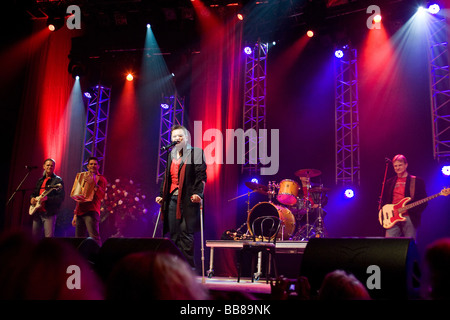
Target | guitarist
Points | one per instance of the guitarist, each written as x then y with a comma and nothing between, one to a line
46,214
401,186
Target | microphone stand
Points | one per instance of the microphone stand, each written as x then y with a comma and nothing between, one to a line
20,185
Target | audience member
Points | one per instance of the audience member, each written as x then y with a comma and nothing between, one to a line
46,270
437,257
154,276
338,285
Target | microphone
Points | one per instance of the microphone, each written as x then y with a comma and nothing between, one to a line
387,160
31,167
170,145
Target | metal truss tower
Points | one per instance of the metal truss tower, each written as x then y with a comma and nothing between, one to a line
96,126
347,119
172,113
438,57
254,111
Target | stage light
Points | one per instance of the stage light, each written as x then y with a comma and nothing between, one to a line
255,180
148,25
349,193
130,77
77,69
339,53
164,106
446,170
310,33
377,18
54,24
421,10
248,50
240,16
77,77
434,8
88,95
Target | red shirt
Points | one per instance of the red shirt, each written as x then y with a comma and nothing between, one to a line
399,190
42,208
174,168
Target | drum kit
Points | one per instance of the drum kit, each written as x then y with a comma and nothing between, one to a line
294,208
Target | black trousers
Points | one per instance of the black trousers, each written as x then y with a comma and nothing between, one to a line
178,233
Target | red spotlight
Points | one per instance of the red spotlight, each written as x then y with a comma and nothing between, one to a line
51,27
310,33
130,77
240,16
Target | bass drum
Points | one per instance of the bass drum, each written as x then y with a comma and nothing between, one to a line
269,209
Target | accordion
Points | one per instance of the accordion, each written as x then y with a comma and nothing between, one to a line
83,189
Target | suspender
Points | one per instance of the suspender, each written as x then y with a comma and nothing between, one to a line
412,187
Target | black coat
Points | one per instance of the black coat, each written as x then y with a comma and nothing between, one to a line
419,193
54,198
195,174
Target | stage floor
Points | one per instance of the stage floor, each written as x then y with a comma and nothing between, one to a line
230,284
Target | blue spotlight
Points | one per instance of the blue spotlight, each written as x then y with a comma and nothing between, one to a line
349,193
164,106
446,170
434,8
255,180
339,53
248,50
88,95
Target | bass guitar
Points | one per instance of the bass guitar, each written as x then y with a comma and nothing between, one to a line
34,208
390,214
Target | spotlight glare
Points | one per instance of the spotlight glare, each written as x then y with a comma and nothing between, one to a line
446,170
51,27
240,16
164,106
88,95
130,77
77,77
349,193
255,180
248,50
148,25
377,18
310,33
339,53
434,8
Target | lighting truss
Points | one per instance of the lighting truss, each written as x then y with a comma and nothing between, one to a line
347,119
438,58
254,111
96,126
171,114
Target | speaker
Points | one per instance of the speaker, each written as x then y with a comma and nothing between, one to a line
115,249
398,272
87,247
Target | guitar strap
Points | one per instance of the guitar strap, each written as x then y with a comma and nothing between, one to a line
412,187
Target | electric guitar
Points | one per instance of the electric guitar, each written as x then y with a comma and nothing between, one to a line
34,208
390,214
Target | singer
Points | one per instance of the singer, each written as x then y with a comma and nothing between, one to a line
181,192
45,217
401,186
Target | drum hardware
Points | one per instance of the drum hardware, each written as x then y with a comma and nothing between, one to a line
269,209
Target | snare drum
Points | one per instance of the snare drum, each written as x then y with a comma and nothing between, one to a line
270,209
288,192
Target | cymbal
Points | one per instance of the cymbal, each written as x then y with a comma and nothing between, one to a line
308,173
260,188
319,189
